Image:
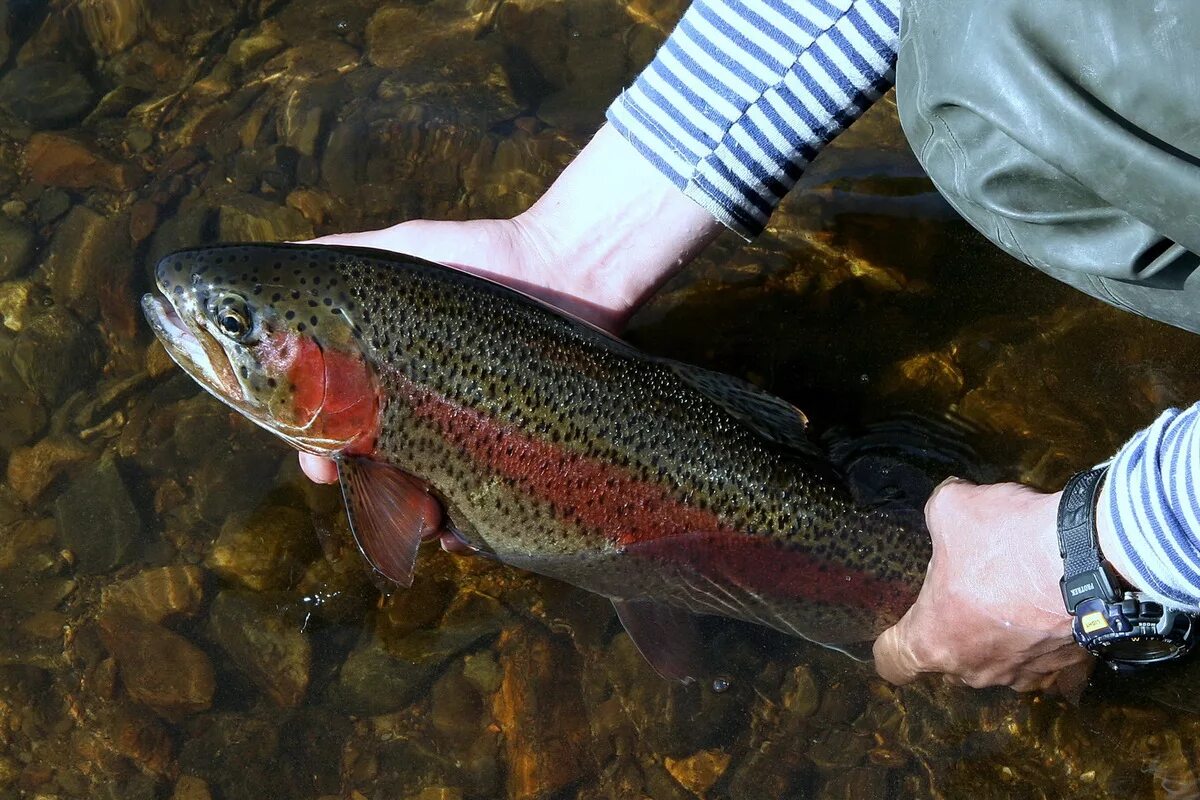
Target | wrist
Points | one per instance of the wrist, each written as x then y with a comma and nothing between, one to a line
1047,585
1111,547
612,229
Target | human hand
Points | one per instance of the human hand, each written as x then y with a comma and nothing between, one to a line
990,612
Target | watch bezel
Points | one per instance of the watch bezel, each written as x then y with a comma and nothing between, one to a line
1168,634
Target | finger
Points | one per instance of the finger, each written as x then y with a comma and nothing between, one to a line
318,470
942,496
894,659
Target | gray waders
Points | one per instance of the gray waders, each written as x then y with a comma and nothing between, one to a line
1068,133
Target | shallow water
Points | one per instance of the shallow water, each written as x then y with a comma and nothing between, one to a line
182,614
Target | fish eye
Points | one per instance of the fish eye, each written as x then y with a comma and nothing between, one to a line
233,318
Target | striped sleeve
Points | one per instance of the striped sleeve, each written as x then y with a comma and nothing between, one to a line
745,93
1155,510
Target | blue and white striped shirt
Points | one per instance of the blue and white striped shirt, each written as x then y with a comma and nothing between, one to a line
740,99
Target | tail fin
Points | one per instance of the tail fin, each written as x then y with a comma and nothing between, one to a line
896,462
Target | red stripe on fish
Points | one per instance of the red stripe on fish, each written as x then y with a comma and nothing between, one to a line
645,519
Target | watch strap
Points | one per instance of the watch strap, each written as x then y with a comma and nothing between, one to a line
1085,574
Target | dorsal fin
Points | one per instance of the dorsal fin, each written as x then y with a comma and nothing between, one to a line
767,415
391,513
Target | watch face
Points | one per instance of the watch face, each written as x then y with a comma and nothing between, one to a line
1137,649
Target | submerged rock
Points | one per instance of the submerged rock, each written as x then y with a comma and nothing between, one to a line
247,218
113,25
24,417
54,159
253,47
5,42
265,642
158,667
97,519
89,257
238,756
540,711
16,248
55,355
31,470
267,548
698,772
46,94
189,787
16,306
157,594
377,678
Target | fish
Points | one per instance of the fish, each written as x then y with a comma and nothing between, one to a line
459,408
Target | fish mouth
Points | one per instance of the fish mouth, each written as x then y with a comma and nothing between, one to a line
198,353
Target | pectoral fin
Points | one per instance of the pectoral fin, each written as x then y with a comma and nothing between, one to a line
665,636
390,512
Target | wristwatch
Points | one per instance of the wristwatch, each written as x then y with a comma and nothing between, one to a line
1123,627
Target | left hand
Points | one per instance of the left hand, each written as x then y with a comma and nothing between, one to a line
990,612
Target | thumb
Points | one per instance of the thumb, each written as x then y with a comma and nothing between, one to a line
894,659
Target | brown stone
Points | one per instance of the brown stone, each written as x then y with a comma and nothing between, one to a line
15,306
158,363
267,548
135,734
26,537
54,159
158,667
391,41
314,206
540,712
112,25
698,772
32,469
46,625
89,261
189,787
157,594
143,218
268,646
437,793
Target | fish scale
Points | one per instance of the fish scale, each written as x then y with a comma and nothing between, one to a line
549,444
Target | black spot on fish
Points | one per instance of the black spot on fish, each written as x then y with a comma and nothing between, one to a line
275,298
290,314
302,327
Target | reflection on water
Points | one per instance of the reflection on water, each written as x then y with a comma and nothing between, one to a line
181,614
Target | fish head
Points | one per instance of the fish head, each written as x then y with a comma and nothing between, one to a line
261,327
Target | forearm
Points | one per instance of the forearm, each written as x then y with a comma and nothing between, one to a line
1149,513
746,92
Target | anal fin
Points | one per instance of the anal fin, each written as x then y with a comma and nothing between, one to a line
665,636
390,512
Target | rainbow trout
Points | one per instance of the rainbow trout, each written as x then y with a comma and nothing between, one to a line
450,402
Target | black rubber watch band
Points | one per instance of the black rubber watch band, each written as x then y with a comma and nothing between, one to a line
1085,574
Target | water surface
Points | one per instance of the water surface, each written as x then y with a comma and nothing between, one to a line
183,615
